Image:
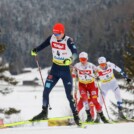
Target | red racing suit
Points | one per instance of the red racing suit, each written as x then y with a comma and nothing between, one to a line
87,86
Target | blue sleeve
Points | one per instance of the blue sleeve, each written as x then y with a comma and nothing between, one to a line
123,74
73,49
43,45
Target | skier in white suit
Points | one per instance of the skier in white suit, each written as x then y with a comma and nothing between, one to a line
109,82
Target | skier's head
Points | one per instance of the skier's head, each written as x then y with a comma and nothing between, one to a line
58,29
102,62
83,57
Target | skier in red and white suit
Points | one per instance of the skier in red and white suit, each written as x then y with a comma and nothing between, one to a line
109,82
85,72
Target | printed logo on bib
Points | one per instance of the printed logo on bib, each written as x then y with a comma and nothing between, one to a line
58,45
85,72
105,72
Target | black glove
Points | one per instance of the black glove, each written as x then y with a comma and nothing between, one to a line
128,80
34,50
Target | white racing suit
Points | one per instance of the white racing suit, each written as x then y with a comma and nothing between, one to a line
108,82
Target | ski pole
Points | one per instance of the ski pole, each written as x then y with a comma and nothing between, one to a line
75,87
75,90
103,101
37,62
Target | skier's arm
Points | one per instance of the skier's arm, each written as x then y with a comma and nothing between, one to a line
94,67
73,49
74,72
41,46
121,72
116,68
95,71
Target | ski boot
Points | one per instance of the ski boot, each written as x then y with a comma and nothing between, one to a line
41,116
89,118
97,120
103,117
76,118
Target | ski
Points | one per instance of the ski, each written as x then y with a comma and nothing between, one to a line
86,124
19,123
67,118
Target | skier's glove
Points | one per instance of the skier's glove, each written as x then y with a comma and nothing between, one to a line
67,61
34,52
126,77
128,80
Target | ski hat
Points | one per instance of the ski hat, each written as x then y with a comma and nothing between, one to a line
58,28
102,60
83,55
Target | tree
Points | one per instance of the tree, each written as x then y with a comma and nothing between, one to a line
7,79
128,56
4,68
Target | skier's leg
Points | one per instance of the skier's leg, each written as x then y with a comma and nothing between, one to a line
94,97
93,91
79,105
117,94
84,96
68,84
102,93
91,105
49,84
99,110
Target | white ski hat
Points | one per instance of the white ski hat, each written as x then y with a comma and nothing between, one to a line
83,55
102,60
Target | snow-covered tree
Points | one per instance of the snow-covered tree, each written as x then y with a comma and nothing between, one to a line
4,67
10,80
128,56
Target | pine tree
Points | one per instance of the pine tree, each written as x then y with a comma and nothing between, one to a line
4,68
128,56
129,67
9,80
129,53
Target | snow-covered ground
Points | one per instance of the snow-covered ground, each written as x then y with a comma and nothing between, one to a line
28,99
124,128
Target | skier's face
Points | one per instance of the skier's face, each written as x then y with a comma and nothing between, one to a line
59,36
103,65
83,60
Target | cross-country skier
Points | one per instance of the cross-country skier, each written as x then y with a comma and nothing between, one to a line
64,53
86,77
78,99
109,82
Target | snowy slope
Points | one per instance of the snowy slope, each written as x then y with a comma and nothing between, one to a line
28,99
92,129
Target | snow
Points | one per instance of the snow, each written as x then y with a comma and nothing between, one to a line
123,128
28,99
